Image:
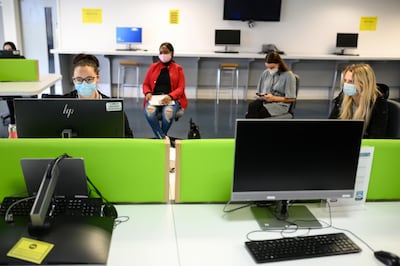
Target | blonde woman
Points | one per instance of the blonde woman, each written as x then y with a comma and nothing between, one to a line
361,99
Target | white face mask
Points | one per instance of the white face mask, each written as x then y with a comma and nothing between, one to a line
165,58
272,71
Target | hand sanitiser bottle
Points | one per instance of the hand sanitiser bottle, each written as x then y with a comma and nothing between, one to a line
12,131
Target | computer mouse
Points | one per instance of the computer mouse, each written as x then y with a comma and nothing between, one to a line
109,210
387,258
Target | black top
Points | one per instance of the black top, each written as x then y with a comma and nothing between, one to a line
74,94
163,84
379,117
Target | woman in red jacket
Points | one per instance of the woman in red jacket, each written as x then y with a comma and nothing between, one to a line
164,91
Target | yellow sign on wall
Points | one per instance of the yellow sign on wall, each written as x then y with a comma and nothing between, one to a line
92,15
174,16
368,23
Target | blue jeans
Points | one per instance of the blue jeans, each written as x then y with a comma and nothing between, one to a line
160,128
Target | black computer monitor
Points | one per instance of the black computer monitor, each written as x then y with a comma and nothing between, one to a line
281,161
128,36
10,54
227,38
69,118
346,40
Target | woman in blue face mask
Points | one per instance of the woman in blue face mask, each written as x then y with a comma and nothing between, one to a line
361,99
86,77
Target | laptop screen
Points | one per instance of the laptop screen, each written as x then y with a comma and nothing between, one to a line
71,181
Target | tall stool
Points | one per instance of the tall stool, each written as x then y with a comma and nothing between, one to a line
123,67
232,69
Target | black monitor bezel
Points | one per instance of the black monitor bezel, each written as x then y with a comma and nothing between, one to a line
227,37
47,118
273,141
346,40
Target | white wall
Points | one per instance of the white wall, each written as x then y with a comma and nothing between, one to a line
306,26
11,22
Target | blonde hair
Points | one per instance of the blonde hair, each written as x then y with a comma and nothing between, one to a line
365,82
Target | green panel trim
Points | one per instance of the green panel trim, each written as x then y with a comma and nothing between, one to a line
206,170
19,70
384,181
124,170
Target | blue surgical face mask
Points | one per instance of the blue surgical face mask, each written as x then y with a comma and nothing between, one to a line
349,89
85,89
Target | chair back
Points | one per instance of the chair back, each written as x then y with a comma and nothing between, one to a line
384,89
293,104
393,125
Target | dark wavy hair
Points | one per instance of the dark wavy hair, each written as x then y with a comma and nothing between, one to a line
275,58
168,46
13,47
86,60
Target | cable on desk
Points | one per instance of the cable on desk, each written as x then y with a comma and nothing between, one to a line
235,209
294,230
9,217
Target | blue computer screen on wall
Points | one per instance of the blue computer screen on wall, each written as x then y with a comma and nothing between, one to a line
129,34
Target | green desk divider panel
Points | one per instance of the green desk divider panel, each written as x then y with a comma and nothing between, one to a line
124,170
384,183
204,170
19,70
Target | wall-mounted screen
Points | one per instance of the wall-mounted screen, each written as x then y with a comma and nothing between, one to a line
128,36
257,10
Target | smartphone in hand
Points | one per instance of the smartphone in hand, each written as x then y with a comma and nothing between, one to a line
260,94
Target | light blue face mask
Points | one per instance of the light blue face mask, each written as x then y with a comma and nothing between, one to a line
349,89
85,89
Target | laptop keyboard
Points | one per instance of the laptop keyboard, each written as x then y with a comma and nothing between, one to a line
59,206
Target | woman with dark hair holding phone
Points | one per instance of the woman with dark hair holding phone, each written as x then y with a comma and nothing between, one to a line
276,89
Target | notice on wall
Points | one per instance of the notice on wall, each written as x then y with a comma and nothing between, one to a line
368,23
92,15
174,16
362,181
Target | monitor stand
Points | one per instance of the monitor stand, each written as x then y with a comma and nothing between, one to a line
128,47
227,51
280,216
342,52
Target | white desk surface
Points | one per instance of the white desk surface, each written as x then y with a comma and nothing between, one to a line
146,239
28,88
244,54
202,234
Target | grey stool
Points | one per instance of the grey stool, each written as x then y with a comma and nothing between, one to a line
232,69
123,67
